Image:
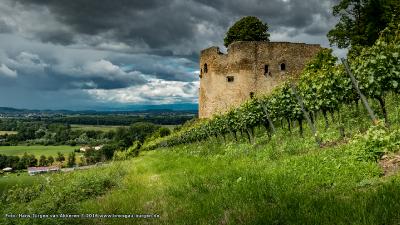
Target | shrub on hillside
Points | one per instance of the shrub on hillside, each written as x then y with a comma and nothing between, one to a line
132,151
377,141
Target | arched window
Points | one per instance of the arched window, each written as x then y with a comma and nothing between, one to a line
283,66
205,68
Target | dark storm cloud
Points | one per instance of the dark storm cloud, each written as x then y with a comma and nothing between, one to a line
177,69
32,72
4,28
60,37
165,27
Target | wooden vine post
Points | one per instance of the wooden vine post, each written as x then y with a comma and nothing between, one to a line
362,96
306,115
268,118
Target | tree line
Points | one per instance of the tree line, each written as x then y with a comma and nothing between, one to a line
123,120
29,160
44,133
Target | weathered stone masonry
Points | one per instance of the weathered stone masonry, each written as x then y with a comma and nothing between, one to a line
249,68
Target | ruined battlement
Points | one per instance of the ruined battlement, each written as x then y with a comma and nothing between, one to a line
249,68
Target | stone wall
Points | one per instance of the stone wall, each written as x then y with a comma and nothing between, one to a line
227,80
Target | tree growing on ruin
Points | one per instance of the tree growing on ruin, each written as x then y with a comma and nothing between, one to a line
248,28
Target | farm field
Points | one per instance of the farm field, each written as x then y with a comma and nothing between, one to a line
106,128
37,150
171,127
2,132
103,128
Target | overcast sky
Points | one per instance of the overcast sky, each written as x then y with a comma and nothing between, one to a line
100,54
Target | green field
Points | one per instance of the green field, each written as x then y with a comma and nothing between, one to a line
106,128
2,132
171,127
103,128
37,150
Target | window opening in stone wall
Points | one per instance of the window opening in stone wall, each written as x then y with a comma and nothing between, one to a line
230,78
205,68
266,70
201,73
251,94
283,66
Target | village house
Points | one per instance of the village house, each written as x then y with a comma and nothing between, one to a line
86,148
43,169
7,169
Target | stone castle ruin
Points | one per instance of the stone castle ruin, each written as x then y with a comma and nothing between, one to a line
249,68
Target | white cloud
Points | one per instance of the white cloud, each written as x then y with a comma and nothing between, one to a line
156,91
103,66
114,46
5,71
30,59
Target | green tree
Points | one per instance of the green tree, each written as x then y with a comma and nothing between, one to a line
249,28
164,131
361,21
43,160
93,156
108,150
13,162
26,161
71,159
60,157
124,137
50,160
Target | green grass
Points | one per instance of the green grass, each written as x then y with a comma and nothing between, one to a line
37,150
7,132
207,184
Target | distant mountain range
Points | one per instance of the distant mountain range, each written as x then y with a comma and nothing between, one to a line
133,109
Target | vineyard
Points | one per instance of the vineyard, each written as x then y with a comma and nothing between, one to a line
324,87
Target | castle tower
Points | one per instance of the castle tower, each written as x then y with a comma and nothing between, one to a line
249,68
